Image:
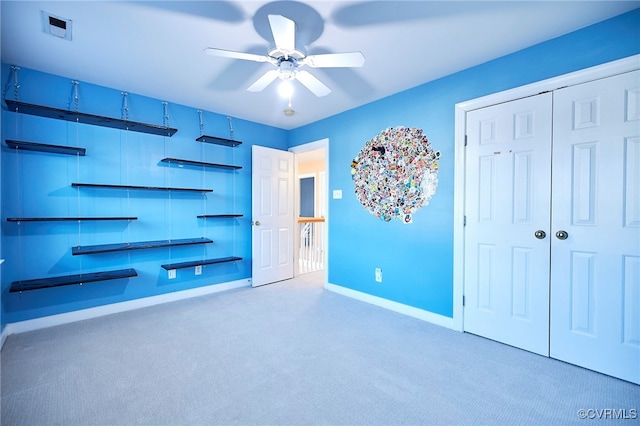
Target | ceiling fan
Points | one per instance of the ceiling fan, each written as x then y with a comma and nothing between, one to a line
287,59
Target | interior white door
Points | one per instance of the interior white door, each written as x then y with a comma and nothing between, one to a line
595,266
272,215
508,181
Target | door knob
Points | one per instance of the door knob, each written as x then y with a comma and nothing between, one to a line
540,234
562,235
256,223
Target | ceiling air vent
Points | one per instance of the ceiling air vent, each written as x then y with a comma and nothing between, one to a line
56,26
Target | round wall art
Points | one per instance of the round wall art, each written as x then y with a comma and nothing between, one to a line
396,173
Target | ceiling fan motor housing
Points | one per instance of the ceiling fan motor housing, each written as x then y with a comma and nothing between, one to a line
280,53
287,68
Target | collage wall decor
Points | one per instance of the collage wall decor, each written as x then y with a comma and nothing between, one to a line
396,173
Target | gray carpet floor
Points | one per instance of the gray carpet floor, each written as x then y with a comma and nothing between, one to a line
289,353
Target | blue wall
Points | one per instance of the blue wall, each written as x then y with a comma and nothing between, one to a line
39,184
417,259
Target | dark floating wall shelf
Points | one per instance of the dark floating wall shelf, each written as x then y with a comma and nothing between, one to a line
17,286
183,265
56,149
180,162
80,117
64,219
210,216
218,141
105,248
151,188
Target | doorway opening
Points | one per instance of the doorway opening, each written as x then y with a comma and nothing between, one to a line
311,208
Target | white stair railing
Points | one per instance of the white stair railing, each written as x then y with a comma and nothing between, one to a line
311,249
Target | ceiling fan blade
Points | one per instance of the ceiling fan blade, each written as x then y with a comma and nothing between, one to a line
235,55
335,60
263,81
284,32
312,83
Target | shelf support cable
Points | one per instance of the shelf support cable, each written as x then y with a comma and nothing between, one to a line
204,209
20,198
16,87
230,127
165,105
232,137
75,97
79,213
166,113
125,116
201,123
204,206
204,196
16,84
233,202
13,76
125,106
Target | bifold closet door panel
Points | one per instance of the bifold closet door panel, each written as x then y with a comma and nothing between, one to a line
595,241
507,204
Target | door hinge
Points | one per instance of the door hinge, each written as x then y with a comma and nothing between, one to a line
465,140
464,220
463,300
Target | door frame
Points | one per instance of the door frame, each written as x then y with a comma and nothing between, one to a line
608,69
312,146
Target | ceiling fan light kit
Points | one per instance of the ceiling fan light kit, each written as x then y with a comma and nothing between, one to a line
288,60
285,89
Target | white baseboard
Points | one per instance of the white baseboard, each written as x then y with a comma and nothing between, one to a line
420,314
98,311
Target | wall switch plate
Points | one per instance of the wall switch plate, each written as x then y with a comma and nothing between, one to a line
378,275
172,274
198,269
337,194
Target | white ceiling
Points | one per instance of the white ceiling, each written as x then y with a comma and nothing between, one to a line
154,48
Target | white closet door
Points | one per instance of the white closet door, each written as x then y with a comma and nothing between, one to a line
595,271
508,182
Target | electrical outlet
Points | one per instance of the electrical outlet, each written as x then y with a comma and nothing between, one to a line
378,275
198,269
172,274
